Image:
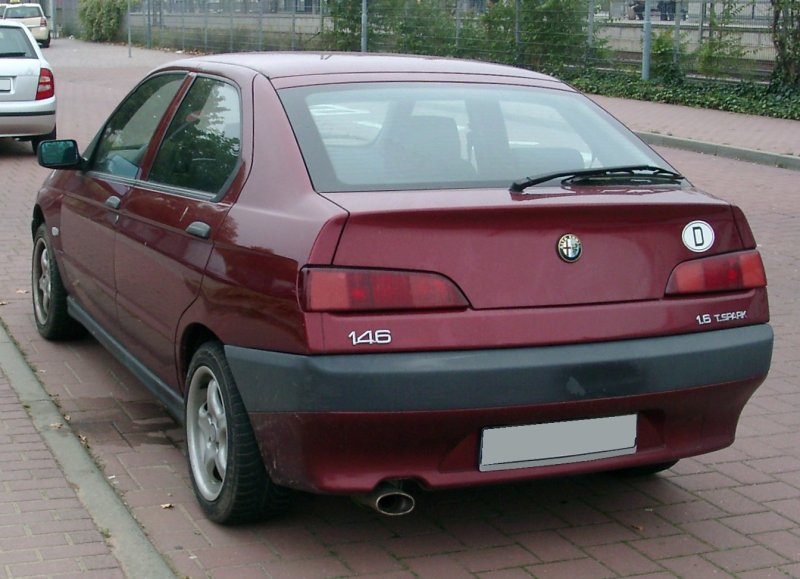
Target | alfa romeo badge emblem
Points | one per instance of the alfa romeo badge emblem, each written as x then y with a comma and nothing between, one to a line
569,248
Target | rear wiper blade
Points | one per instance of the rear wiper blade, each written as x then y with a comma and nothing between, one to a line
12,54
605,173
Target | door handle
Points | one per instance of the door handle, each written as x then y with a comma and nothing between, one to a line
114,202
199,229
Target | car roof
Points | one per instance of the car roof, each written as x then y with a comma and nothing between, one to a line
13,24
275,65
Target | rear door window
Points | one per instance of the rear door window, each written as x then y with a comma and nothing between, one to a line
200,150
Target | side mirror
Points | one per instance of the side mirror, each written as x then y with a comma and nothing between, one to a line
59,154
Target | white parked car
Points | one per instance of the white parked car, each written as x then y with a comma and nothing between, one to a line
27,87
32,16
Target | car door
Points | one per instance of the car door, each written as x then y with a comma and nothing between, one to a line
167,222
91,200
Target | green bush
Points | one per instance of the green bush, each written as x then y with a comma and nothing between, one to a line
665,64
101,20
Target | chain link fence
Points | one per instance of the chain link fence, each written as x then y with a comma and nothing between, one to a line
730,38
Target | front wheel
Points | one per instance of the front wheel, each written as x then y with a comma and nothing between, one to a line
49,295
228,475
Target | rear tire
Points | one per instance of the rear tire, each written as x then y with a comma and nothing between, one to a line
37,140
227,472
53,322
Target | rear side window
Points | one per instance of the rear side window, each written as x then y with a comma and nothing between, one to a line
14,43
200,149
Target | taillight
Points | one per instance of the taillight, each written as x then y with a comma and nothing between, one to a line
47,85
359,290
43,22
719,273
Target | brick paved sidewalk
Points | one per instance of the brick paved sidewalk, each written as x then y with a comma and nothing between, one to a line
766,134
731,513
44,528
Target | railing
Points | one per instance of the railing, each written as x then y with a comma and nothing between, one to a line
717,39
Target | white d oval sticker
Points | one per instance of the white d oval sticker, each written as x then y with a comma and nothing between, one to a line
698,236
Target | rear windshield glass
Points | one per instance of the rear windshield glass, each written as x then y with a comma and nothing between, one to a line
14,43
393,136
23,12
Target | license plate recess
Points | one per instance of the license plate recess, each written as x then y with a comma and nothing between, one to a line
554,443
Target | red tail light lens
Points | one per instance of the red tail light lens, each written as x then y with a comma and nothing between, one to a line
360,290
43,22
719,273
47,85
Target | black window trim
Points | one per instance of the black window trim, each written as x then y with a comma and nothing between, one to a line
143,183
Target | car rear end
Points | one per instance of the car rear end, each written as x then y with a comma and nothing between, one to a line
32,16
464,332
27,86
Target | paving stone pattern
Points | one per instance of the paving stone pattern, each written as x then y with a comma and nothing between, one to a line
731,513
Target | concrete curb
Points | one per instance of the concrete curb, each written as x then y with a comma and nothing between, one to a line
727,151
128,543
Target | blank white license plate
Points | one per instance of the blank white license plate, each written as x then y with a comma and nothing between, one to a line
5,84
557,442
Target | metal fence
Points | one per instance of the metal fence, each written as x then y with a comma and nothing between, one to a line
706,38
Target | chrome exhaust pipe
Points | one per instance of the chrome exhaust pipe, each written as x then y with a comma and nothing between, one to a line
388,499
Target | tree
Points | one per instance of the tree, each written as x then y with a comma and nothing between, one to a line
101,19
786,39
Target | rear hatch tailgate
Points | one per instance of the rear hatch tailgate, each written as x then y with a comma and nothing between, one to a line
501,249
19,79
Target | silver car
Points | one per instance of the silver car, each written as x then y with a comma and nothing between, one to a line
27,87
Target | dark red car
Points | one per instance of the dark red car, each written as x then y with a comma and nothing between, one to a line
350,272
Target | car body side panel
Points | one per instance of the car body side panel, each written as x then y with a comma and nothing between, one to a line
158,270
161,255
249,292
88,232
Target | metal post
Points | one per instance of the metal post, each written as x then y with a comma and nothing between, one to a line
149,23
294,24
364,23
702,22
183,25
230,25
128,19
676,55
52,18
205,25
590,23
458,22
646,31
322,16
516,32
261,26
